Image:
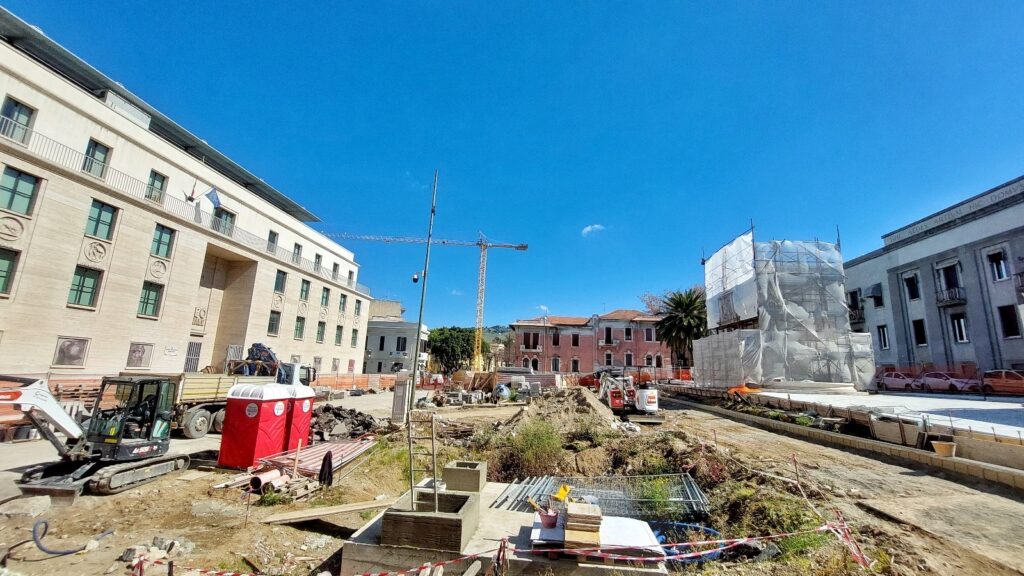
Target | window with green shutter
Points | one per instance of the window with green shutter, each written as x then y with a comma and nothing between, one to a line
8,265
156,187
342,302
96,158
325,297
149,302
304,291
274,324
338,331
280,281
101,220
163,241
85,286
18,191
321,331
300,327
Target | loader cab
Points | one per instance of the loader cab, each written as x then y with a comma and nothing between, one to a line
290,373
131,418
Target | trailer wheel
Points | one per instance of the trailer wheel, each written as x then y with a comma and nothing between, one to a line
196,423
218,421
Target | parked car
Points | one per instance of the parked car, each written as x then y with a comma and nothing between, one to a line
945,382
1003,382
894,381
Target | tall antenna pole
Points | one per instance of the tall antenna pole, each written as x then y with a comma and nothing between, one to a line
416,356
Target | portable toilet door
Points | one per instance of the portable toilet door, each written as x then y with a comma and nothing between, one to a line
300,413
255,424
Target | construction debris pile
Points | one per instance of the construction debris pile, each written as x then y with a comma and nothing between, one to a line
337,422
567,409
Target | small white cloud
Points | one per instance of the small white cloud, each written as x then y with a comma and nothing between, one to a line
543,309
590,229
457,292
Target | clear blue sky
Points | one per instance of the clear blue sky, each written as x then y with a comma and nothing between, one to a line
669,124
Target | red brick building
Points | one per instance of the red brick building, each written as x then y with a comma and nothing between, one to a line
575,344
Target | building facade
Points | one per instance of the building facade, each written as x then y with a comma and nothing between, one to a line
391,341
946,292
570,344
126,243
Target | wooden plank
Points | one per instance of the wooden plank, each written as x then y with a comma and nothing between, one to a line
579,539
583,526
310,514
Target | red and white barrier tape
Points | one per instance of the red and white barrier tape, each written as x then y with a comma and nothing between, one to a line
840,529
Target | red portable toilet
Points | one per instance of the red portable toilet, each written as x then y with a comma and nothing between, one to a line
299,415
255,424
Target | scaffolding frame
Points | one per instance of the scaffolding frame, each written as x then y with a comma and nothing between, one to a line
801,330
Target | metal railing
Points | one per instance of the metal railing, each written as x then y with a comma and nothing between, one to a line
54,152
856,315
525,348
951,296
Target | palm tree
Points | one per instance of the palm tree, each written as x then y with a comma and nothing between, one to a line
685,320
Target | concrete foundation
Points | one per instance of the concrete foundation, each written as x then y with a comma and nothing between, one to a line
465,476
366,552
448,528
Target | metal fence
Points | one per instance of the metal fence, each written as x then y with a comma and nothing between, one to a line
652,497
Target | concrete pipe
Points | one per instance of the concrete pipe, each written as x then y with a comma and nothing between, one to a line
258,480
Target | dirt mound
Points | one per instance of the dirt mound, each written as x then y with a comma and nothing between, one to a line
568,408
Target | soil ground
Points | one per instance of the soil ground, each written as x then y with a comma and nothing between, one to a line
910,521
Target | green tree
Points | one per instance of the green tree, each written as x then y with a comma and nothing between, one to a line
686,319
452,347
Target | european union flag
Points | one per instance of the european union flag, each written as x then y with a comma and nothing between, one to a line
214,199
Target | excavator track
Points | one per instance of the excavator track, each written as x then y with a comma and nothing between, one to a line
121,477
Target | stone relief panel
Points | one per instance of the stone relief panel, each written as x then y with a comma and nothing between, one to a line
95,253
158,269
277,302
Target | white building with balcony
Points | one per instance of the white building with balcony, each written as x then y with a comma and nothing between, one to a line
391,341
126,242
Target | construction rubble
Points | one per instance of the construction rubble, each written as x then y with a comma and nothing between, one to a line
336,422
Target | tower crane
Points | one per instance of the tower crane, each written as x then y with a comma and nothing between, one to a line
483,243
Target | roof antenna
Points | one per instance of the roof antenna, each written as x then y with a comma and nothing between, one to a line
839,243
703,260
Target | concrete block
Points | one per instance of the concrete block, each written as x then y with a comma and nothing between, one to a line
465,475
449,528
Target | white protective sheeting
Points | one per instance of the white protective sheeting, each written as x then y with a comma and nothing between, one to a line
803,327
729,283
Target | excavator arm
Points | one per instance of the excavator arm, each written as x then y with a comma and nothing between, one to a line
33,398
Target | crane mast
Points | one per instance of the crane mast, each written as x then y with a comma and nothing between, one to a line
481,286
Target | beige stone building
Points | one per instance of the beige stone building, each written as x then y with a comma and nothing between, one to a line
106,264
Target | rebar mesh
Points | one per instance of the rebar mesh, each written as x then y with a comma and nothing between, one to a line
654,497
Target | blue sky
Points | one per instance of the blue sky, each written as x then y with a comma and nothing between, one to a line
663,126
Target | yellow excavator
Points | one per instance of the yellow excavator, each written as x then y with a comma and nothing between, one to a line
109,451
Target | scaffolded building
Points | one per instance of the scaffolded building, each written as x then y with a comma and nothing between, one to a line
777,313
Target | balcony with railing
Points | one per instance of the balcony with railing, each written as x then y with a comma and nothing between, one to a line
528,348
951,296
856,315
68,158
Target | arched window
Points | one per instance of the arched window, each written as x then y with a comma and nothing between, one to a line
649,360
526,362
556,364
657,361
629,358
536,365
